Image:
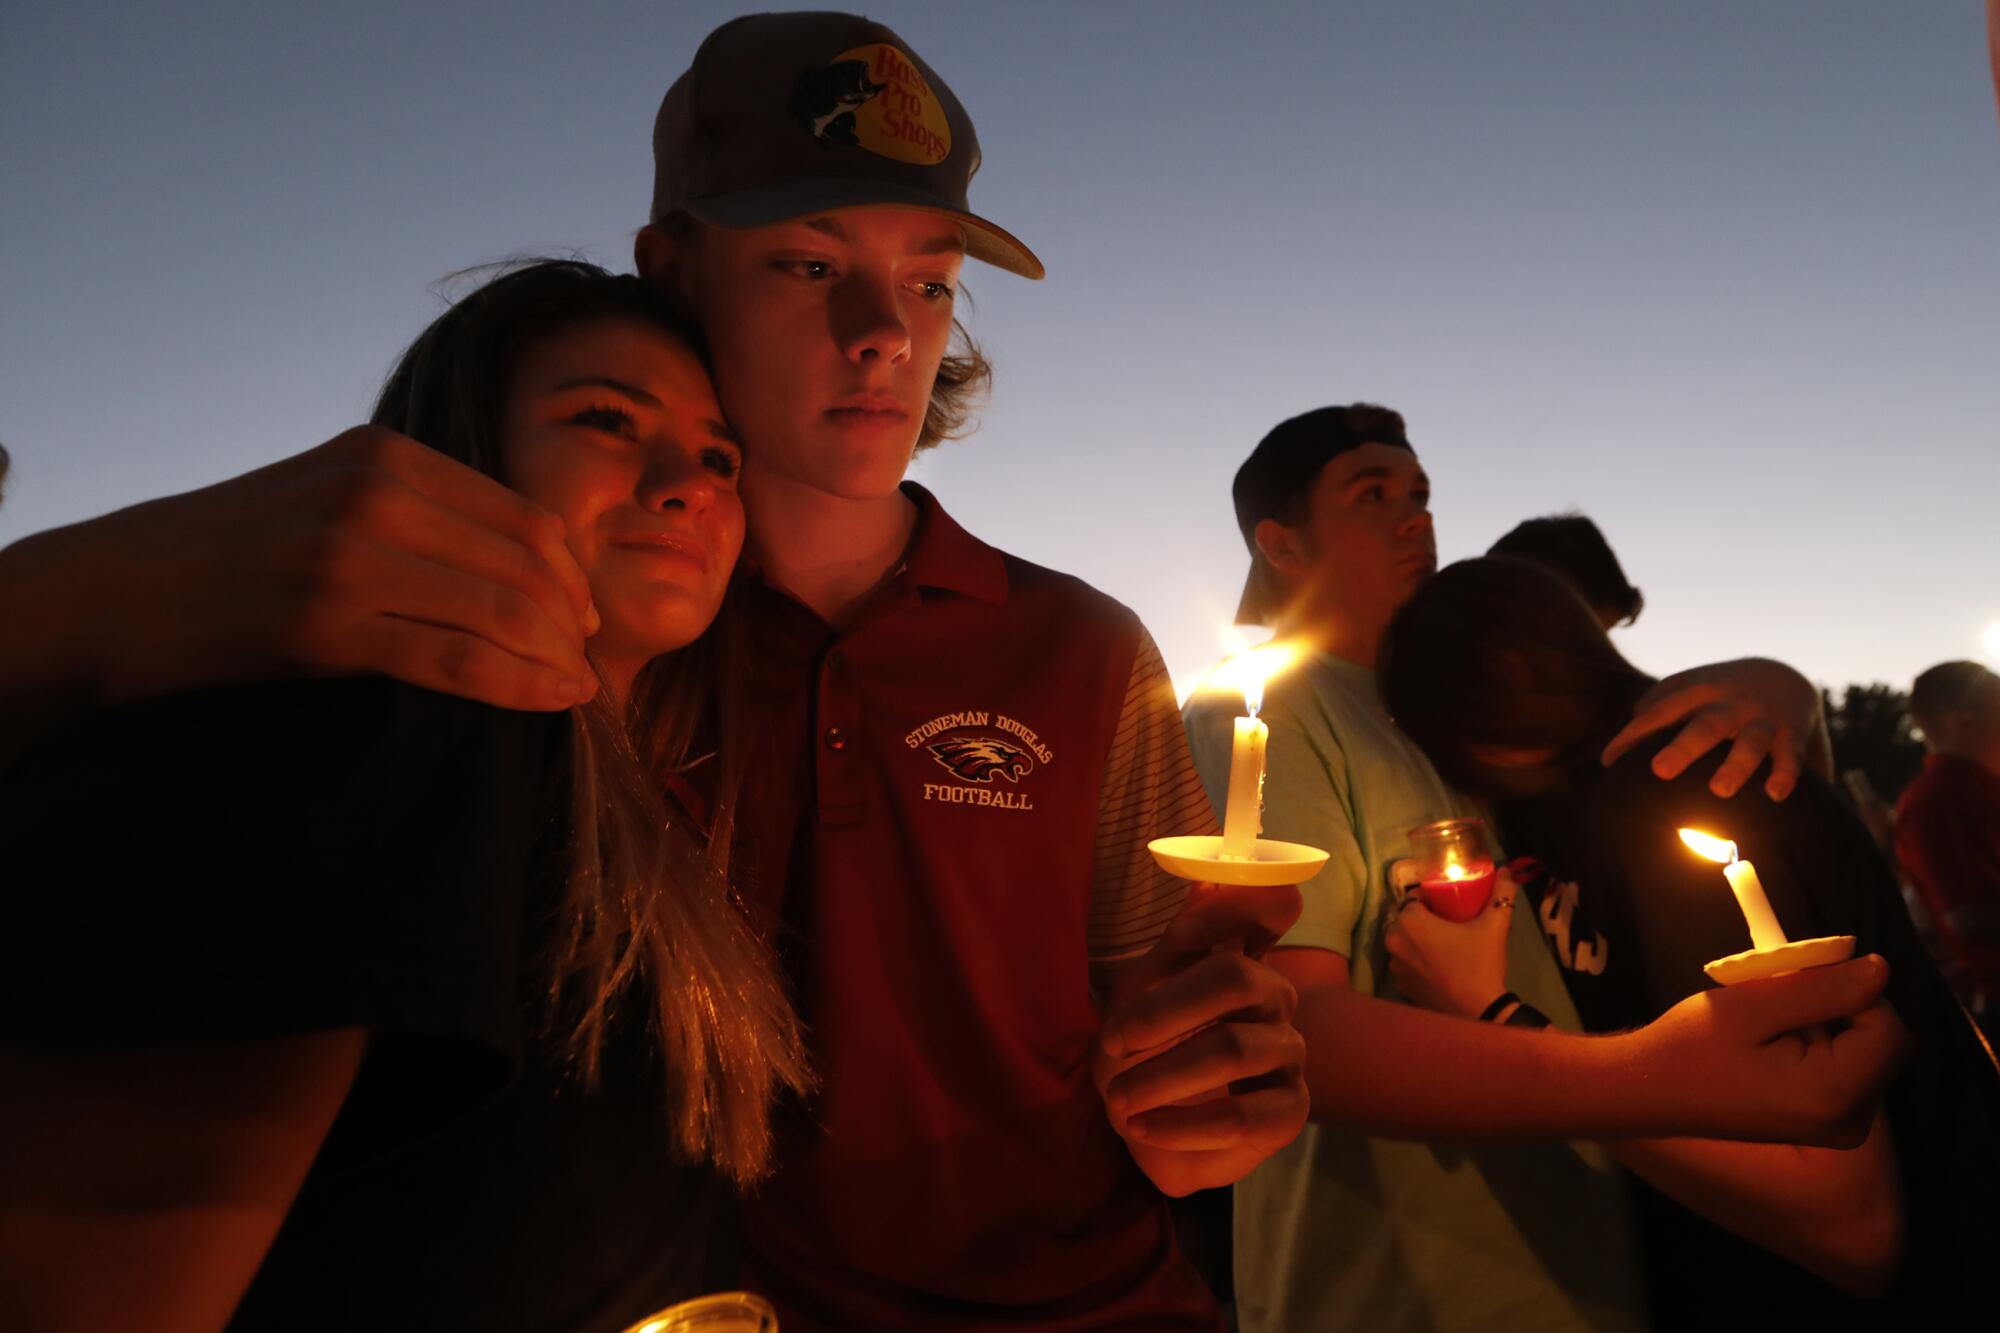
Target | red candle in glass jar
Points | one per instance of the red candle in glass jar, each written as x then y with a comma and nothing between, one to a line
1460,893
1453,867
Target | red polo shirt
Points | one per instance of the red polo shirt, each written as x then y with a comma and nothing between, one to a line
947,811
1948,841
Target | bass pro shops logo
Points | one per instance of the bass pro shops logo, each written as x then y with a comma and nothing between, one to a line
963,744
876,99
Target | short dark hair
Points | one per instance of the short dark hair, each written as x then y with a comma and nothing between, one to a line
1946,688
1502,653
1276,482
1571,545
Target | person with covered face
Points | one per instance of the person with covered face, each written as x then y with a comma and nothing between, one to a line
1503,676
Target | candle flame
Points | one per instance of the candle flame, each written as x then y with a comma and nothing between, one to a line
1246,672
1456,871
1244,668
1715,849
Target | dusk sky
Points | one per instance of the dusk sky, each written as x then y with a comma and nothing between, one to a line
1724,275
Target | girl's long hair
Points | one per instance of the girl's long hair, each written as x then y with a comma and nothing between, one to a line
647,915
1502,654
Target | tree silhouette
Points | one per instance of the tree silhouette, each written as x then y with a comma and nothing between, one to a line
1871,731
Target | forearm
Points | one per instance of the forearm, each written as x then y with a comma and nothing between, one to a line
1835,1213
142,1189
1388,1069
1375,1066
370,554
47,668
136,603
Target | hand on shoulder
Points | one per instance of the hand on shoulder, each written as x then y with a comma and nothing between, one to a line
1763,709
367,554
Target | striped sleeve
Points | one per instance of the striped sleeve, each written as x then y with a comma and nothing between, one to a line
1151,790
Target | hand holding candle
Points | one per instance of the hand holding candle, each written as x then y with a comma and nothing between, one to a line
1240,855
1186,1058
1769,952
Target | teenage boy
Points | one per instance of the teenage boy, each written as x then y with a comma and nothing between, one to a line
963,755
948,1173
1397,1208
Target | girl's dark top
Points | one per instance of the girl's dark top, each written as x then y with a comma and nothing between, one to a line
1632,915
254,862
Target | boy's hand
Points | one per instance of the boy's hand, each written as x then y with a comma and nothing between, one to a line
1763,708
1742,1062
1199,1065
1452,967
368,554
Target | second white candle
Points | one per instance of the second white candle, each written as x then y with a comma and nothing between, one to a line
1243,817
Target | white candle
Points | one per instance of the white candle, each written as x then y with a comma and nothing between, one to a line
1242,819
1243,814
1765,932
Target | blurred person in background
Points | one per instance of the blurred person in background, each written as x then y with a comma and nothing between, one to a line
1948,824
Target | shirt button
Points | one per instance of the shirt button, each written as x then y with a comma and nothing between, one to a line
836,739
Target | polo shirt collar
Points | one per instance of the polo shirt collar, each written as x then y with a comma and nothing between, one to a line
944,555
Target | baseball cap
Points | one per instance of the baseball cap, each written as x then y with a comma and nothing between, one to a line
781,115
1282,468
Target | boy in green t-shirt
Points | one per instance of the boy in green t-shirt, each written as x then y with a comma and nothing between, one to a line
1433,1188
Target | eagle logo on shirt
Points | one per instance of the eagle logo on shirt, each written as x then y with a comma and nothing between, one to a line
980,758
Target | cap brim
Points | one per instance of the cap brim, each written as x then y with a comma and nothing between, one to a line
791,199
